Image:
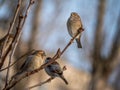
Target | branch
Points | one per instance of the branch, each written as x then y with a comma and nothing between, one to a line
40,84
13,49
98,39
2,41
47,81
8,47
11,25
22,20
58,54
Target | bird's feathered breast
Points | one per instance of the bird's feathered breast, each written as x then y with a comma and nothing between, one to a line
55,68
73,25
32,62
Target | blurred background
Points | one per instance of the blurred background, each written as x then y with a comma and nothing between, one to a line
94,67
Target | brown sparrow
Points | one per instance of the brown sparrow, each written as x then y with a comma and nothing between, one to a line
74,24
33,61
54,70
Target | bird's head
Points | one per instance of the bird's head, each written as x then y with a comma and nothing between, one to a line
48,59
74,15
40,53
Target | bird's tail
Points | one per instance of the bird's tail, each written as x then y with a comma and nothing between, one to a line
78,43
62,77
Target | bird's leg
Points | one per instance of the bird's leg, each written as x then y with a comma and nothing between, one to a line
80,30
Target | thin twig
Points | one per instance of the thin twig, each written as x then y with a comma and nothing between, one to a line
59,53
40,84
13,49
2,41
12,24
26,54
4,54
71,41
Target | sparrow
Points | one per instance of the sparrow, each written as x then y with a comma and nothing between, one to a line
54,70
32,62
74,24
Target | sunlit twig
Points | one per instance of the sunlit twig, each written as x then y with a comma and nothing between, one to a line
22,20
4,54
40,84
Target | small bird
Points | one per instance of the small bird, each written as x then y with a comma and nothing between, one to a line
74,24
33,61
54,70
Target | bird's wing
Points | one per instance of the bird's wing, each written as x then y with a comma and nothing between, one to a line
26,63
69,27
55,67
68,24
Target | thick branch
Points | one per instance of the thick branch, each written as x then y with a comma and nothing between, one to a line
98,39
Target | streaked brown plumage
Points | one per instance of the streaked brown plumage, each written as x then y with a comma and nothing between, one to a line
74,23
33,61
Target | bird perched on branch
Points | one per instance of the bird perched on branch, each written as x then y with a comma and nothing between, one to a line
33,61
54,70
74,25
